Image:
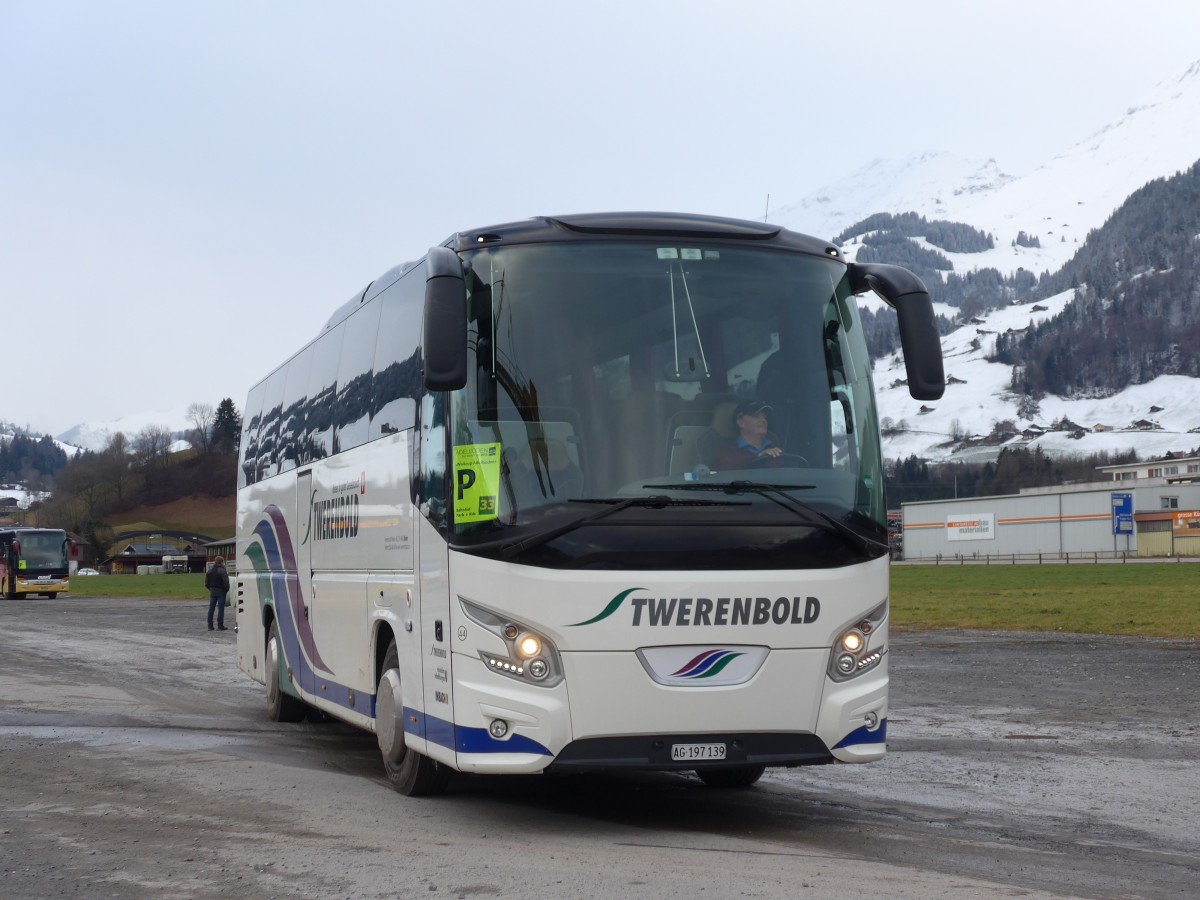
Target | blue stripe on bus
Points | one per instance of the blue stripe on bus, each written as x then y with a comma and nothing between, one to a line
462,739
864,736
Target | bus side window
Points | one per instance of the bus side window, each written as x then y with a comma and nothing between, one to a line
352,409
291,428
322,388
268,434
397,369
248,464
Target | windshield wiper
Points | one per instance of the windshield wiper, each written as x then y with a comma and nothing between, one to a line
616,504
805,510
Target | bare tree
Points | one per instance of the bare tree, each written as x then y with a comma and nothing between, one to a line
151,445
115,463
201,416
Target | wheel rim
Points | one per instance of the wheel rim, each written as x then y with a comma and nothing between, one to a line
273,668
389,717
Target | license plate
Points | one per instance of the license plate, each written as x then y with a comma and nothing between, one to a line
692,752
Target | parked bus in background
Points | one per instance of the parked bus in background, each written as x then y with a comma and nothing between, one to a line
483,514
34,561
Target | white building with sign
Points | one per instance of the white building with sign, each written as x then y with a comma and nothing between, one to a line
1100,518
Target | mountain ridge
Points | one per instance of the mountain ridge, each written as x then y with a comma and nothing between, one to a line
1041,223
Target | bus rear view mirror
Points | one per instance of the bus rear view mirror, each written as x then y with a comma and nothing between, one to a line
445,328
919,338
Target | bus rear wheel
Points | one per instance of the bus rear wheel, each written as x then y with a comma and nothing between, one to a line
732,777
411,773
281,706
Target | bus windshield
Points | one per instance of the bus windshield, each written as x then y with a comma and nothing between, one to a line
730,382
43,551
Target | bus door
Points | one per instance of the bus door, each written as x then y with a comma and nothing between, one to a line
436,641
433,583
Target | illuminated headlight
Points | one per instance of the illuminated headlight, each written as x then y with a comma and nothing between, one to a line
527,656
853,641
853,652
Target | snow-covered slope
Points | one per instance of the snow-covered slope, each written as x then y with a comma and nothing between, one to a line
1059,203
921,184
96,435
977,397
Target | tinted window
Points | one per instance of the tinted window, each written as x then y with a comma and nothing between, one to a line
268,434
249,450
292,426
352,410
397,380
322,390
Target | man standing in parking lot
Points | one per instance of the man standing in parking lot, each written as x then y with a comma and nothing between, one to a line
217,582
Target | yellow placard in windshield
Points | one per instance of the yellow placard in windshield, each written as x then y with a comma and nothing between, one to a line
476,482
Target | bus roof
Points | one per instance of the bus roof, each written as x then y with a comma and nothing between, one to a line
618,225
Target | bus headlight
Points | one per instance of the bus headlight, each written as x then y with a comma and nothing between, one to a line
528,656
853,651
853,641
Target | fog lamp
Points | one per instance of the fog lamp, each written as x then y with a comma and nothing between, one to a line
498,728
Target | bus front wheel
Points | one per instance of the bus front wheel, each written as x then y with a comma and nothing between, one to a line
281,706
411,773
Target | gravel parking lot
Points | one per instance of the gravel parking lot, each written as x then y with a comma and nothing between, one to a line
136,761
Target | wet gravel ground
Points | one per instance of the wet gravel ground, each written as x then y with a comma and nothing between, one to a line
136,761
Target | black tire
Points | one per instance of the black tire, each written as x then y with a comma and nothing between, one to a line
411,773
732,777
281,706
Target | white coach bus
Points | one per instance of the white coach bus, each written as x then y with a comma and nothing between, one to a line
597,491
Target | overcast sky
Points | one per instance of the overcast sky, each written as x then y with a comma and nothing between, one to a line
187,190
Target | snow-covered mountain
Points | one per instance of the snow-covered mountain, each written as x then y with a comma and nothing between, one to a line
96,435
1059,203
962,424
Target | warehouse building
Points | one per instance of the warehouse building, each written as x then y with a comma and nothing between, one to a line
1149,517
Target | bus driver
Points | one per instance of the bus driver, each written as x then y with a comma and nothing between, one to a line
753,443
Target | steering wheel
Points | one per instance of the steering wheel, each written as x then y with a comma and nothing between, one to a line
761,462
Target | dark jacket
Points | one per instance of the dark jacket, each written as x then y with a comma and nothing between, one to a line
217,580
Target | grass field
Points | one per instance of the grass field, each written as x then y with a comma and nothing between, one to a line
1152,600
171,587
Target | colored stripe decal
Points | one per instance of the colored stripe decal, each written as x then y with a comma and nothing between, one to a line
466,740
863,736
